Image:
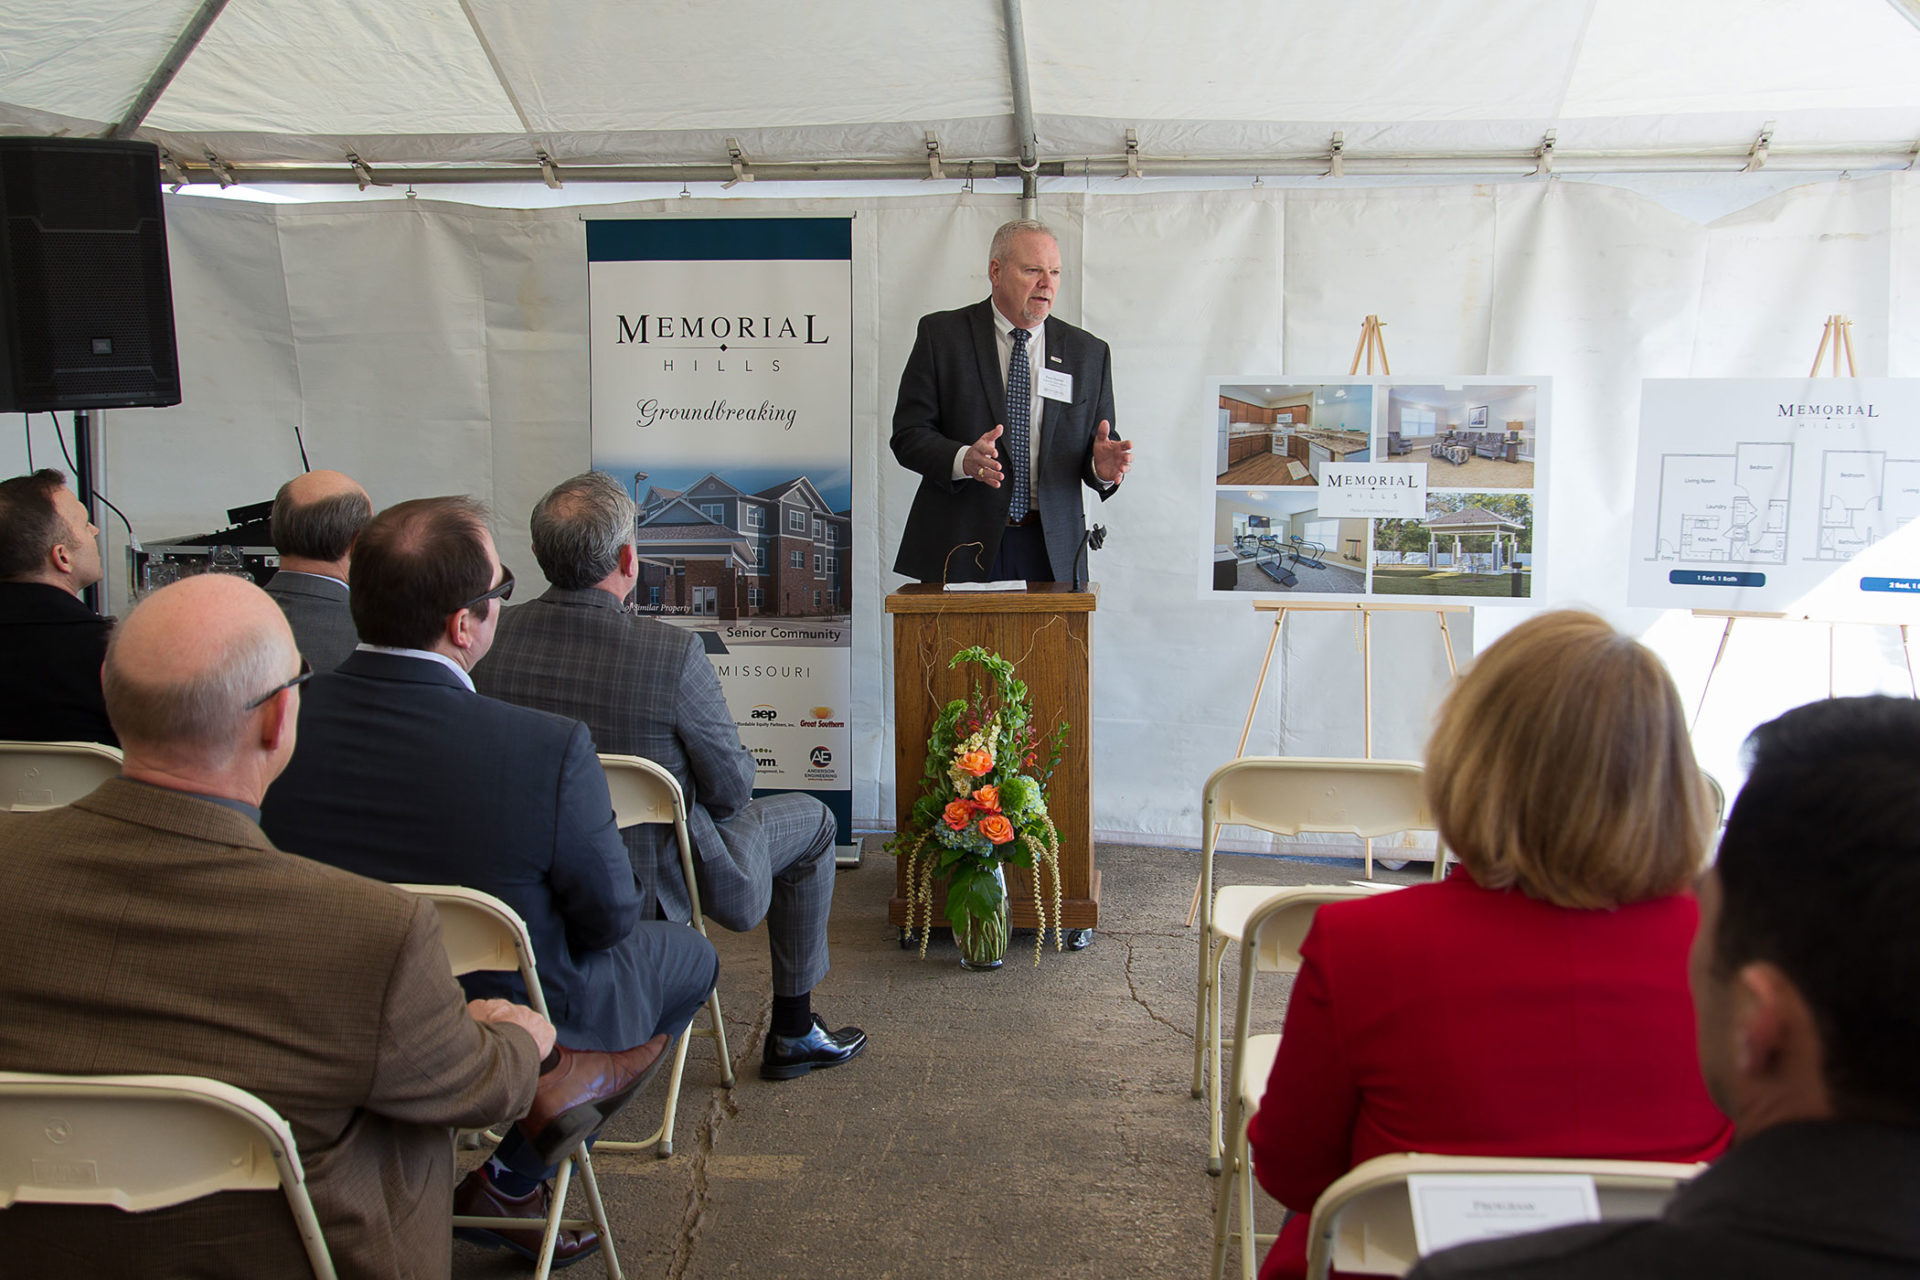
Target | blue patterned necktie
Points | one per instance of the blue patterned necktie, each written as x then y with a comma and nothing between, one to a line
1019,410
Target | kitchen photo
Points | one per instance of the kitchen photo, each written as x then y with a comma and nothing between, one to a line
1477,436
1278,435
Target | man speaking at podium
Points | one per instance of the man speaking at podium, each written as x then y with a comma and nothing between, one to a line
1004,411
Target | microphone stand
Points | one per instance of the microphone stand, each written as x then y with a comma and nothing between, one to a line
1094,538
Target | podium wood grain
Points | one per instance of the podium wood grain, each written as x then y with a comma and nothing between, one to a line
1044,632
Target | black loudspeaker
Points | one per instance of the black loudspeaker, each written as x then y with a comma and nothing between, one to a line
86,304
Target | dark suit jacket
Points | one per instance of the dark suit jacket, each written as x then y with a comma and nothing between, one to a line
317,610
1820,1198
402,773
1458,1020
647,689
951,393
51,648
161,933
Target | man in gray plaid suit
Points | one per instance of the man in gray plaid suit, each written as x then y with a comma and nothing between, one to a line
646,688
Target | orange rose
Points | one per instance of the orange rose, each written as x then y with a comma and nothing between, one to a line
996,828
974,763
987,798
958,814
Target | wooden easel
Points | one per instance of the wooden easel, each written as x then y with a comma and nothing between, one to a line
1835,337
1280,609
1370,342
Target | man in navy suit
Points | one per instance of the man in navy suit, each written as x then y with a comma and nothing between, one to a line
1005,411
404,773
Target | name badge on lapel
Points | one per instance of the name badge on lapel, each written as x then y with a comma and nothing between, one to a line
1055,385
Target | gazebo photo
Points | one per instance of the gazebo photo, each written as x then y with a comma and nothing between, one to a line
1469,544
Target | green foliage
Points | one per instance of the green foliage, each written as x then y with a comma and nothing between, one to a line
983,801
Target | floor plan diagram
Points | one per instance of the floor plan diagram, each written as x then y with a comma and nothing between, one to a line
1720,508
1864,496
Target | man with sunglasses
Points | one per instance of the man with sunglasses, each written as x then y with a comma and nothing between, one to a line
158,931
404,773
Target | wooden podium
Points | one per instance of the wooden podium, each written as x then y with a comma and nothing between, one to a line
1043,631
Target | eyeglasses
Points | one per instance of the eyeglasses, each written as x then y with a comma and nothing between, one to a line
306,674
504,591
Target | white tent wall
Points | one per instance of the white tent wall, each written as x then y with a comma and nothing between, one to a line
434,348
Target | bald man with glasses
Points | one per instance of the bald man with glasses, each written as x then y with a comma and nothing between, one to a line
404,773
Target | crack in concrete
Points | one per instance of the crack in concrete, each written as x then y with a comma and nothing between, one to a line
1133,990
720,1108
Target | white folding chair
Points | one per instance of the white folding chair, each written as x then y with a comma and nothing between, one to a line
1286,795
645,792
46,775
481,932
147,1142
1364,1221
1272,933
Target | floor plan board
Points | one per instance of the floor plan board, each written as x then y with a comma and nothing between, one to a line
1797,497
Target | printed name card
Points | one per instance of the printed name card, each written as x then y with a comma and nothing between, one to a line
1451,1209
1373,489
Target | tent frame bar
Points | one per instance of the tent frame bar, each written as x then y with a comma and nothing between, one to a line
1517,163
183,47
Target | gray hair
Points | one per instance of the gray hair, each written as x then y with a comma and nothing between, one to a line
1003,238
201,716
579,528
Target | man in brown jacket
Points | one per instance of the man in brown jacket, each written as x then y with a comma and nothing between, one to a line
155,930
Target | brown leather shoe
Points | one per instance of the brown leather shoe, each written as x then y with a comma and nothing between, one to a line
582,1091
477,1197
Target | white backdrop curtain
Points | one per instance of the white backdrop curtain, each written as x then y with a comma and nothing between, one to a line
434,348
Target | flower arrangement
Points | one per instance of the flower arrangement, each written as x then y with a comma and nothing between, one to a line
983,807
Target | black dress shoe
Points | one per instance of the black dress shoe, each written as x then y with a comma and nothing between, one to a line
478,1197
789,1056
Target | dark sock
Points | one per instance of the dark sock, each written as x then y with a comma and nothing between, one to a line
793,1015
551,1061
517,1185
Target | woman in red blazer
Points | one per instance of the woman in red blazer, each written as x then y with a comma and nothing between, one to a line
1536,1005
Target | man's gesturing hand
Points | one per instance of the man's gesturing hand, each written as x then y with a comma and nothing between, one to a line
1112,459
982,461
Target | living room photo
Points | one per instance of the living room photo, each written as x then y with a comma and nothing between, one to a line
1277,435
1477,436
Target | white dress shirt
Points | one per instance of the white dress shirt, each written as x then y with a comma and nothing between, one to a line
428,654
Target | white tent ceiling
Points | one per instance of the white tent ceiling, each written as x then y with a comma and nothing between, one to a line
854,88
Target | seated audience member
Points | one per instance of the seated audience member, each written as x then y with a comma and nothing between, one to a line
157,931
316,517
646,688
1806,989
405,773
51,644
1537,1004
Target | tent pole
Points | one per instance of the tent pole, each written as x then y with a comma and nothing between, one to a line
169,68
1022,108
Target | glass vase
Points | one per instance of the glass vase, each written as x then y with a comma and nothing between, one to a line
983,942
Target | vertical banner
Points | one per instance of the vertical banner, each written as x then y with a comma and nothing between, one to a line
722,380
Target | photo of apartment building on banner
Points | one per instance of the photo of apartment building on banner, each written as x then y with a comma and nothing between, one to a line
714,550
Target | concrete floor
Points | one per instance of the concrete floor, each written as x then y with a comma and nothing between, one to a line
1019,1123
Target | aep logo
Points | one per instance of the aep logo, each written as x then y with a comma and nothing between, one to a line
764,712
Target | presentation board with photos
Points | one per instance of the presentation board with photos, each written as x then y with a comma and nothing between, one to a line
1377,489
1779,495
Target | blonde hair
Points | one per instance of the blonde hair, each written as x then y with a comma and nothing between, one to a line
1561,765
